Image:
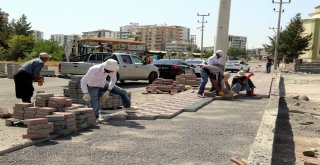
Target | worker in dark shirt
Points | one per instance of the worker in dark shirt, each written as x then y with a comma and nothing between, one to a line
27,74
243,82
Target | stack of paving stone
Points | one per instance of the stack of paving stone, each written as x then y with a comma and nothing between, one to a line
188,79
42,99
58,123
113,102
42,112
74,89
81,117
69,120
30,112
37,128
47,73
91,117
59,103
19,109
165,85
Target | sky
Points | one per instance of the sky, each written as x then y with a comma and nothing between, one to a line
250,18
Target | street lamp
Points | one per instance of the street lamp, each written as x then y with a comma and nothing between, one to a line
202,26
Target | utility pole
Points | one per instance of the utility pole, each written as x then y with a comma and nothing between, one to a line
278,31
202,26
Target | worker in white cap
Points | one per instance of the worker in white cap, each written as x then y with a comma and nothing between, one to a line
215,61
27,74
95,86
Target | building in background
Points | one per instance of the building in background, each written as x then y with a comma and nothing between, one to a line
62,39
38,35
102,33
237,41
157,36
261,52
177,46
312,26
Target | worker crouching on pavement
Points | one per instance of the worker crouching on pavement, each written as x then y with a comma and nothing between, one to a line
95,86
27,74
214,73
243,82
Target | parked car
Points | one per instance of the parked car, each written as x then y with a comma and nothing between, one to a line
237,65
131,67
196,63
170,68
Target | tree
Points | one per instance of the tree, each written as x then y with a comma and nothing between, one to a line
207,54
237,53
4,29
21,26
19,47
292,41
50,46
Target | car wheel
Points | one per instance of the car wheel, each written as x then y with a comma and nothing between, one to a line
153,76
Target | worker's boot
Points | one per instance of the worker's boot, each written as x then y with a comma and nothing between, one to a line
251,93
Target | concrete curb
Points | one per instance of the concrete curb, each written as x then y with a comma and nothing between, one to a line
262,148
198,105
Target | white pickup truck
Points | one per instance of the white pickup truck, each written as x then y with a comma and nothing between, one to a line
131,67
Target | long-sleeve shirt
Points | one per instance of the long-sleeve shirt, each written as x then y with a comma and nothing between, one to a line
213,69
96,77
33,67
214,60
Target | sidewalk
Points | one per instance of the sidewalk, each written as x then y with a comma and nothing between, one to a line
11,137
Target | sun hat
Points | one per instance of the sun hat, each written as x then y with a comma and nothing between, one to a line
44,54
226,75
220,52
111,64
240,73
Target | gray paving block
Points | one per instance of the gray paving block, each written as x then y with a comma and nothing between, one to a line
55,118
198,105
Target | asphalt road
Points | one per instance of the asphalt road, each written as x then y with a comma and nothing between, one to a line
212,135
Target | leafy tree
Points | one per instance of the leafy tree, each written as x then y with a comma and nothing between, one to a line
19,47
21,26
4,29
237,53
207,54
50,46
3,53
292,41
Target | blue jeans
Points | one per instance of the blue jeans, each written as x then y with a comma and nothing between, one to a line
240,87
268,67
204,80
97,92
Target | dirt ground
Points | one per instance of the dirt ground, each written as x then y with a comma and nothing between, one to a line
298,123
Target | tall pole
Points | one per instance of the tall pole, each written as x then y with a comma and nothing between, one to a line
202,26
276,51
222,33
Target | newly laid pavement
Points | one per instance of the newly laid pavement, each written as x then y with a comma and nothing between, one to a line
213,134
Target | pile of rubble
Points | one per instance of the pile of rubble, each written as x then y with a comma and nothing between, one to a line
171,86
74,92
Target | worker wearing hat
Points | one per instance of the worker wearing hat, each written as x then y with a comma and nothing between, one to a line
215,61
27,74
95,86
243,82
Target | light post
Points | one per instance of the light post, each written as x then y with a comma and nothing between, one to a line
202,26
276,52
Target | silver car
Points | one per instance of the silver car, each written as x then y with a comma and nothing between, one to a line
196,63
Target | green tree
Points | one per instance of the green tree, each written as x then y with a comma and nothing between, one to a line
21,26
5,31
207,54
50,46
292,41
237,53
19,47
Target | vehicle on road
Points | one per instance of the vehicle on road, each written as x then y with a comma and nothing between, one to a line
170,68
237,65
131,67
196,64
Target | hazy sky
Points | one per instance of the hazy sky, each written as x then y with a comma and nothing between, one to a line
251,18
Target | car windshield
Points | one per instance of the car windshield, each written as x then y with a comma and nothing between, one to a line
194,62
167,61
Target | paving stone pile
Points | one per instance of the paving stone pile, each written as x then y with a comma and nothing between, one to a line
19,110
42,112
42,99
58,123
59,103
69,120
37,128
30,112
91,117
171,86
81,117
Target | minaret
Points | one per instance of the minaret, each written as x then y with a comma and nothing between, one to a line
223,28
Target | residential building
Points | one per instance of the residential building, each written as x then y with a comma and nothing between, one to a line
177,46
102,33
237,41
126,31
257,52
312,26
38,35
58,38
68,38
157,36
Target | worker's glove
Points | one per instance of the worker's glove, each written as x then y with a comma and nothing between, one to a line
105,96
86,97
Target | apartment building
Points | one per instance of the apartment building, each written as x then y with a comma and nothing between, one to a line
177,46
312,26
38,35
157,36
62,39
237,41
102,33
